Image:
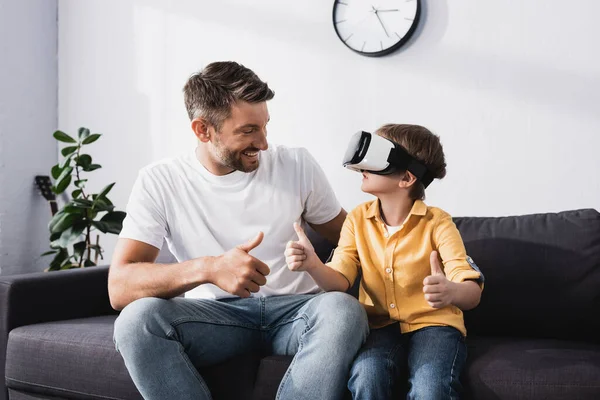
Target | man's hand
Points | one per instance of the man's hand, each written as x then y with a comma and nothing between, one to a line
300,255
237,272
439,291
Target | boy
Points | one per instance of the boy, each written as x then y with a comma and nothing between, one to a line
413,302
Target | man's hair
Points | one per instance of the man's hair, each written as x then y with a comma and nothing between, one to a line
211,92
423,145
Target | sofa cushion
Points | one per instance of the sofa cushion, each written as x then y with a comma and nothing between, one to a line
77,359
542,274
501,368
71,359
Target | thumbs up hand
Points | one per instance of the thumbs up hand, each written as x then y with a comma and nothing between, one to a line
300,255
239,273
439,291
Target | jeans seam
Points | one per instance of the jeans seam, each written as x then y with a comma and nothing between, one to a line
194,372
300,346
453,367
262,311
184,320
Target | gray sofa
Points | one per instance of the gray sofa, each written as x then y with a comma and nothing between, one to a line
535,335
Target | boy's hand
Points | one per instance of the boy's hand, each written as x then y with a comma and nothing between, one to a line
300,255
439,291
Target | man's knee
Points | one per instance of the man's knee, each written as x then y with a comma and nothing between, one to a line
137,319
344,313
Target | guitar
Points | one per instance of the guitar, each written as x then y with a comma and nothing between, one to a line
44,185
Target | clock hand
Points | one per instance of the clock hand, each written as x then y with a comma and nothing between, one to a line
377,14
387,10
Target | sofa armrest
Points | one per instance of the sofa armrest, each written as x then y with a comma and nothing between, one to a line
50,296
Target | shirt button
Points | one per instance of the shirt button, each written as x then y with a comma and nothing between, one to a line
392,305
386,234
388,270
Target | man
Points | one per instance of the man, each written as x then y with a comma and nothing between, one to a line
240,295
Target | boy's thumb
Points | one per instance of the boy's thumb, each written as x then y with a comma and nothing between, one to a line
436,265
300,232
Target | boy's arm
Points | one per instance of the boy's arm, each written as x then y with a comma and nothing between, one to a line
454,282
340,273
440,292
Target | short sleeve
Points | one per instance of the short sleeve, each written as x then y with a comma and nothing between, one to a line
345,257
145,220
320,203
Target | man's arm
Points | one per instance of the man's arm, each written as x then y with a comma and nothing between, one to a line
134,275
331,230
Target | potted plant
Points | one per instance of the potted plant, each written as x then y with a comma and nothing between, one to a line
72,227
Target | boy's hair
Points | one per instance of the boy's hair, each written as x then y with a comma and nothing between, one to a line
210,92
423,145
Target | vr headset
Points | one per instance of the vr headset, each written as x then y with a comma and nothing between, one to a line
373,153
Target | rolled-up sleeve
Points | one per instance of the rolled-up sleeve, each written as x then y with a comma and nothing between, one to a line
452,251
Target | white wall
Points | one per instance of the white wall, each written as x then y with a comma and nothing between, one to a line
28,117
511,86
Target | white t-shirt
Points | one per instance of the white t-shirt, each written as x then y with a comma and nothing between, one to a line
201,214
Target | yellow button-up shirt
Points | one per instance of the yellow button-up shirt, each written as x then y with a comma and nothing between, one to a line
394,266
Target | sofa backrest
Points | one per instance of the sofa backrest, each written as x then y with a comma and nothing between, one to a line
542,274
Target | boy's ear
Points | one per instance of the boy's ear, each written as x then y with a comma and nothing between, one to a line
202,129
408,180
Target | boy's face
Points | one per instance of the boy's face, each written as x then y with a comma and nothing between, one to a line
381,184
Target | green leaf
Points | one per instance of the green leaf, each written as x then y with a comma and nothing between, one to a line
113,221
83,133
89,263
62,185
92,167
101,226
103,205
68,150
63,222
48,253
56,171
91,138
66,160
82,203
76,193
71,233
79,249
58,260
105,191
81,183
84,160
64,173
63,137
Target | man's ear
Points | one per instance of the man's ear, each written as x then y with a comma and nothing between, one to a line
408,180
201,129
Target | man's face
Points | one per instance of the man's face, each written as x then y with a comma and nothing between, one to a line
242,136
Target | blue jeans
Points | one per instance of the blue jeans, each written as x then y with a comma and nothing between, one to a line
163,342
433,357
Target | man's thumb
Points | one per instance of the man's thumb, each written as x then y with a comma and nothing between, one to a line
436,265
251,244
300,232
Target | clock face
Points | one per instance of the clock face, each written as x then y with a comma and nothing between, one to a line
375,27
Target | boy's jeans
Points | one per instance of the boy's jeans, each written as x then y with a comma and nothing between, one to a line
163,342
436,356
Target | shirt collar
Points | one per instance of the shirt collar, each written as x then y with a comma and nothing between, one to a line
418,208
